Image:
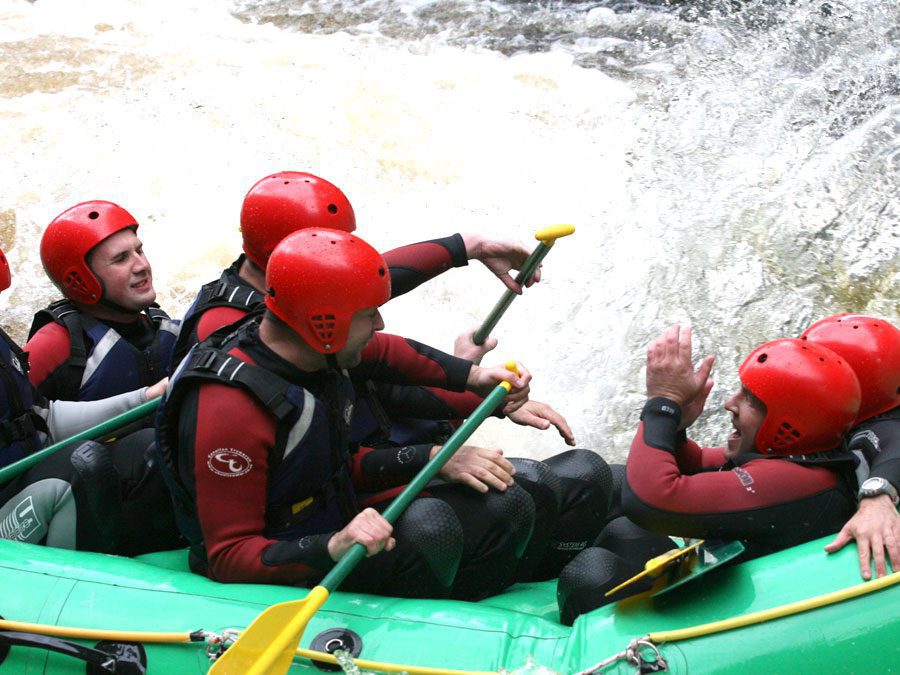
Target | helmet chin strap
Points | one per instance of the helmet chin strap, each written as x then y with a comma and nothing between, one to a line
332,363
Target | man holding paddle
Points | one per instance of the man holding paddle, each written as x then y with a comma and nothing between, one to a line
86,496
255,430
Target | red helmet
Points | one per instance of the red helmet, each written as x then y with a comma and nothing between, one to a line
872,348
68,240
318,278
5,276
811,396
286,202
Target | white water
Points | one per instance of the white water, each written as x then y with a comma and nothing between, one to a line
737,174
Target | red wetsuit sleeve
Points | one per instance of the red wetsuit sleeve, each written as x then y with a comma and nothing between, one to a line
692,458
47,350
215,318
390,358
412,265
750,500
232,508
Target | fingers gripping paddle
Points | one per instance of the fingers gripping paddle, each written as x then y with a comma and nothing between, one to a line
547,237
98,431
269,643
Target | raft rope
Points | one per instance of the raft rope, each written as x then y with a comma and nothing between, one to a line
632,652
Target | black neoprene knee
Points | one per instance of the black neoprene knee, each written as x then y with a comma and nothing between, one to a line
587,487
545,488
584,582
433,529
95,485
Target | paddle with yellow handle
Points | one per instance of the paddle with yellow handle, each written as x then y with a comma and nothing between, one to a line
656,566
268,644
547,237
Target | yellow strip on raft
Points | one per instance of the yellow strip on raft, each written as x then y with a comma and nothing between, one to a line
776,612
94,633
389,667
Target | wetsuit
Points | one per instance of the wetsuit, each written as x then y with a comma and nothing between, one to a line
86,496
220,434
572,491
877,444
230,298
75,357
675,487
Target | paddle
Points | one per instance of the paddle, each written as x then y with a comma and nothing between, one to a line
711,555
656,566
269,643
547,237
98,431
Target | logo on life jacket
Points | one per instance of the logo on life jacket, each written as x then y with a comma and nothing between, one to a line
228,462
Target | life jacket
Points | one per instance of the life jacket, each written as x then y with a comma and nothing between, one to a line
101,362
20,426
309,489
229,290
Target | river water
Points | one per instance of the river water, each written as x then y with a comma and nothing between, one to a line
730,165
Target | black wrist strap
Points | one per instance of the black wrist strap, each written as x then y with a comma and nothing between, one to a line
661,417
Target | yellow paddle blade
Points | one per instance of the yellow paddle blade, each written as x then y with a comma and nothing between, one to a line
550,234
655,566
267,646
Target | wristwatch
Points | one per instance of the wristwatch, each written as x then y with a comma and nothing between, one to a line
872,487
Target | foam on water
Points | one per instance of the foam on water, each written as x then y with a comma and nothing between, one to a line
739,175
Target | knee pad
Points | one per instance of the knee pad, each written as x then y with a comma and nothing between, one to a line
586,481
434,530
514,511
632,542
95,485
583,583
545,489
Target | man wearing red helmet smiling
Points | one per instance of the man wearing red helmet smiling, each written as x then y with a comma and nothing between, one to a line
107,336
783,477
263,413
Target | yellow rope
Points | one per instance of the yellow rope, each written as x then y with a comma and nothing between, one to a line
390,667
776,612
93,633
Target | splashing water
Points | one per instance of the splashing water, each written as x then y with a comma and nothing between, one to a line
730,165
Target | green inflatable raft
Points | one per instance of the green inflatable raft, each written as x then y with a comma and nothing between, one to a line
797,611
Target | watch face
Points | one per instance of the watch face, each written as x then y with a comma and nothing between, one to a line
873,484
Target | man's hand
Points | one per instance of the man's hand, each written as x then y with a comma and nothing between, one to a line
876,528
482,381
670,372
479,468
541,416
368,528
156,390
500,256
465,347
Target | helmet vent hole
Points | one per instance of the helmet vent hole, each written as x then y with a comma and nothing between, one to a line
332,209
93,215
287,182
381,271
762,358
785,436
822,359
323,326
75,284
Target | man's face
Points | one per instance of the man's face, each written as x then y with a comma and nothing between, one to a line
366,322
120,264
747,415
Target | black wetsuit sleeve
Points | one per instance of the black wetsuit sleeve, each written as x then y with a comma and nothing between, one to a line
311,551
879,442
381,468
413,265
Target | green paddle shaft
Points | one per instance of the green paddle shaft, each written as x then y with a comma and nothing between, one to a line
357,552
98,431
546,237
